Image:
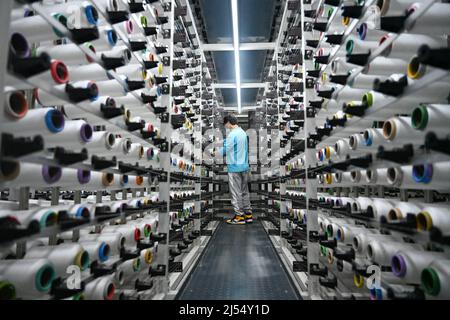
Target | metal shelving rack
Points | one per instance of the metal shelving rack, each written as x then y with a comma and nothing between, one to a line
307,186
309,153
165,159
290,53
163,179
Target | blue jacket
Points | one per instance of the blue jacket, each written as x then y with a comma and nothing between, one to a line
235,147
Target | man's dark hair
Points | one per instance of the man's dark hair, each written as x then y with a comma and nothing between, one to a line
231,119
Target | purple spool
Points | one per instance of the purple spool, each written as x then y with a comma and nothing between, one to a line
84,176
51,174
398,265
86,132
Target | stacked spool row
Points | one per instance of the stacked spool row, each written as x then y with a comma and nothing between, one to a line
103,94
375,105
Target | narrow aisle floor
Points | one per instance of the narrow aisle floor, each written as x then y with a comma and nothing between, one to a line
240,263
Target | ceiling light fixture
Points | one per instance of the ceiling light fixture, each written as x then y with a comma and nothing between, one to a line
237,67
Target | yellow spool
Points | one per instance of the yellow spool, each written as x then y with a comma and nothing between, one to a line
327,152
329,178
358,281
148,257
415,69
424,221
345,21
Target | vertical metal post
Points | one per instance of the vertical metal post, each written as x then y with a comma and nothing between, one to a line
55,196
355,191
98,196
24,197
210,202
166,132
403,195
77,197
98,199
310,154
380,191
52,240
197,205
283,212
123,220
75,235
21,249
276,143
428,195
269,189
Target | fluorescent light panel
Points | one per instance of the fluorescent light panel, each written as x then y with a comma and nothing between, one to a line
237,66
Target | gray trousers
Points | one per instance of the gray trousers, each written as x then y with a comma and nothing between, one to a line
240,196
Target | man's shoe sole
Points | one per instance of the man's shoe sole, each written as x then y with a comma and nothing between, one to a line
249,221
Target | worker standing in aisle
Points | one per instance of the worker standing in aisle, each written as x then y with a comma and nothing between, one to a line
235,148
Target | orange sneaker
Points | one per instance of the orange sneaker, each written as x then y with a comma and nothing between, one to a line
237,219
